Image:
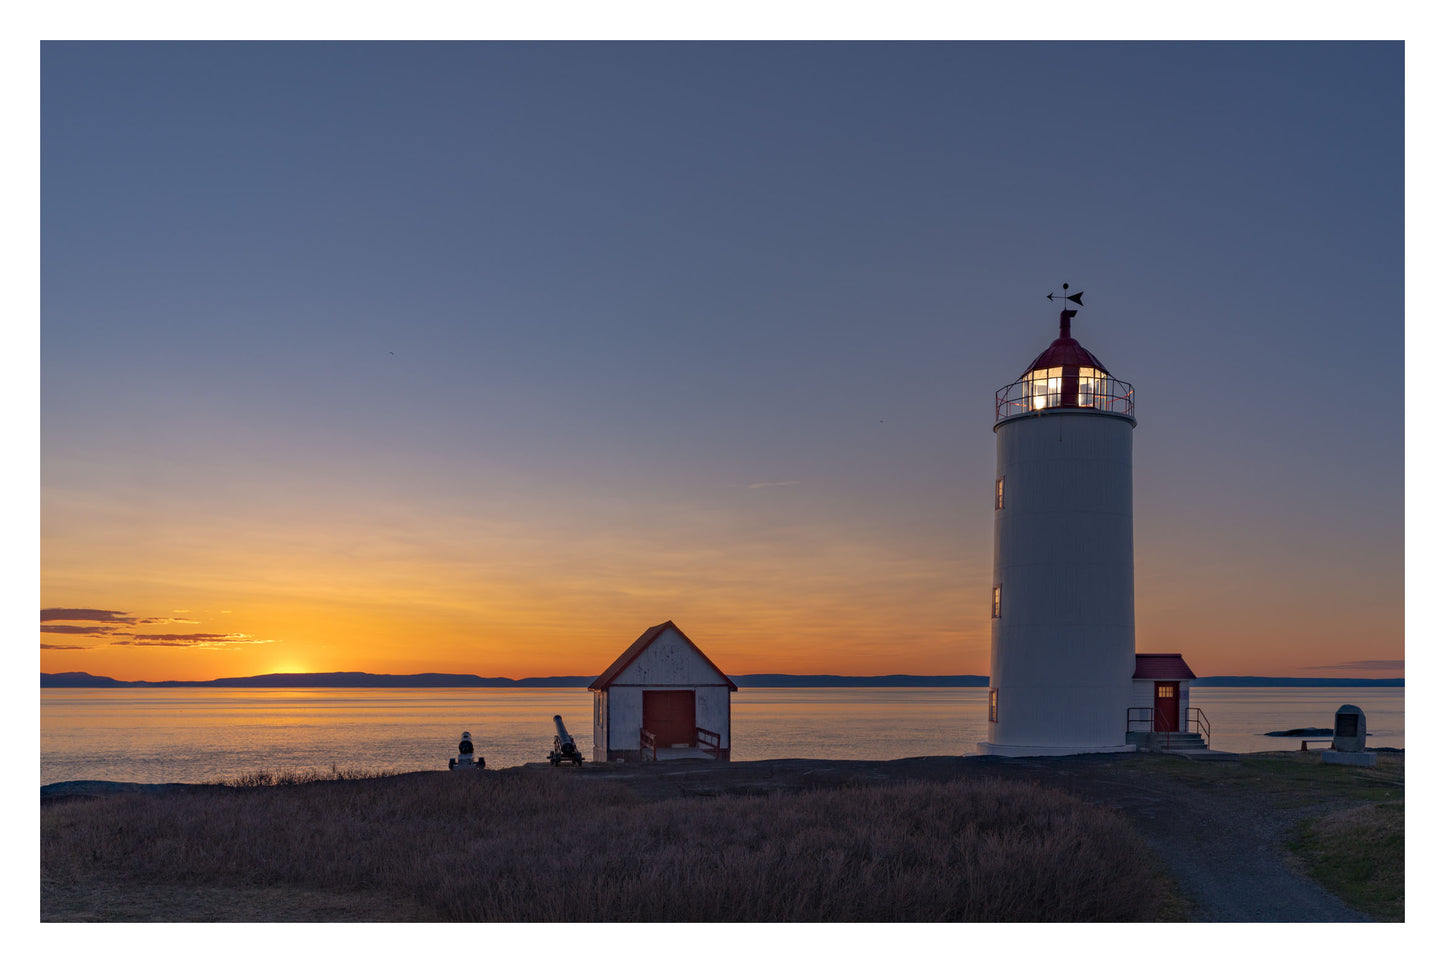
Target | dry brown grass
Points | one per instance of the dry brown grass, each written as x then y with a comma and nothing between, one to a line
288,777
513,847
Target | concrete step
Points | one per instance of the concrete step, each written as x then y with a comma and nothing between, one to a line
1168,742
682,752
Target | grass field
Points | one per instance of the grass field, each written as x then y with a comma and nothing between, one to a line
510,847
1359,855
1356,850
935,840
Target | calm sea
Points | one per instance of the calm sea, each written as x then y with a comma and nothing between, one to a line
199,735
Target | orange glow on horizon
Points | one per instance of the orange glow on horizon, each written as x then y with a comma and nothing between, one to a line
404,594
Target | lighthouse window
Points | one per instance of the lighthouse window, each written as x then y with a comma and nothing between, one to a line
1093,388
997,600
998,494
1042,387
992,705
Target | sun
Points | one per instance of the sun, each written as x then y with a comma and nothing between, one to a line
289,668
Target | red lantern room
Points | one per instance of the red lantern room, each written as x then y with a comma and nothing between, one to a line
1065,375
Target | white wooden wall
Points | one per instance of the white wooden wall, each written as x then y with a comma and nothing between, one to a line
1062,656
668,663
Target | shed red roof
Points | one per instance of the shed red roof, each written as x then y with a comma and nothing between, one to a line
636,649
1151,665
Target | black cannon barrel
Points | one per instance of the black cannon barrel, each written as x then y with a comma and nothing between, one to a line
567,741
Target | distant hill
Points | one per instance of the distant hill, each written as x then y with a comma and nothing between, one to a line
859,681
756,681
80,680
1291,682
449,680
304,680
420,680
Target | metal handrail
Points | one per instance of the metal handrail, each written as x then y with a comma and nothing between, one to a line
709,740
1110,394
1141,719
1201,723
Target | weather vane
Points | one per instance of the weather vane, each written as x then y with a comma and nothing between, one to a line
1076,298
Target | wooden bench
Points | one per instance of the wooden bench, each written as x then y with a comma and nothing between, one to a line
1304,744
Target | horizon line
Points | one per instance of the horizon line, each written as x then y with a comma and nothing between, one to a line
498,681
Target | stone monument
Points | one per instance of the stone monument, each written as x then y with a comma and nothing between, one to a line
1348,748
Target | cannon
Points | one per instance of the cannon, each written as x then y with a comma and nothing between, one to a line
464,758
564,747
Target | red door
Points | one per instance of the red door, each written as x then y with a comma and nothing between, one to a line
671,715
1166,707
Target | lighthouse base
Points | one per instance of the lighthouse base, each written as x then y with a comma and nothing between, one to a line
994,749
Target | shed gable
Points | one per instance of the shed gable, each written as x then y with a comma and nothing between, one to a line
663,655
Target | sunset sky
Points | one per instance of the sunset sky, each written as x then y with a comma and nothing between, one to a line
485,357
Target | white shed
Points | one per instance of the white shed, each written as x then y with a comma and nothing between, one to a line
662,698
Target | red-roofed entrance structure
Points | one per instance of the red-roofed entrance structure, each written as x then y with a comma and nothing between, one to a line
1160,711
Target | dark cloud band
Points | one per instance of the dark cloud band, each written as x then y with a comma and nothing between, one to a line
96,630
111,634
84,615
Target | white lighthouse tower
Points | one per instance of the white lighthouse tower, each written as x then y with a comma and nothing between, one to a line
1062,656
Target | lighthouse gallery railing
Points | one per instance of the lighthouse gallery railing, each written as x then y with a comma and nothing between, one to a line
1037,394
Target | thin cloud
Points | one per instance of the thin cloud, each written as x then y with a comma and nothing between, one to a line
84,615
180,645
52,645
100,631
766,484
202,640
164,621
1366,665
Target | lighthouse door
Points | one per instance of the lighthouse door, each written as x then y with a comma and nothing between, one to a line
1166,707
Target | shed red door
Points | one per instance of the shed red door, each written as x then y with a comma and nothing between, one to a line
1166,707
671,715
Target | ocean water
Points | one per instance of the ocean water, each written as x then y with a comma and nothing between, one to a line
204,734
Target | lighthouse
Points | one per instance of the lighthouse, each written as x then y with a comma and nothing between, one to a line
1062,607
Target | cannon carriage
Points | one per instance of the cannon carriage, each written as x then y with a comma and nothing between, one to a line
564,747
465,758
